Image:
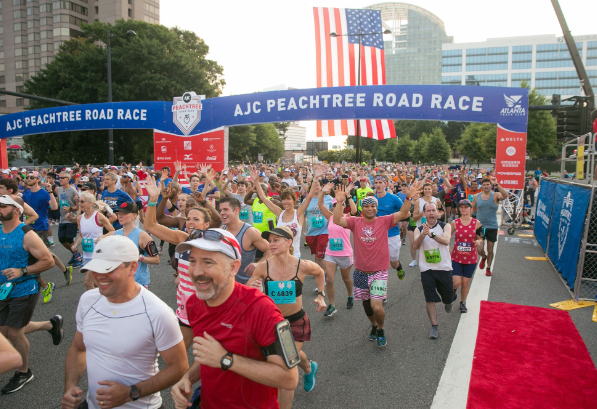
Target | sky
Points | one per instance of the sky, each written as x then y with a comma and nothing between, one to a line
263,43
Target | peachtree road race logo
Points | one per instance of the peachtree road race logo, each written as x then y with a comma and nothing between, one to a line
514,103
565,216
186,111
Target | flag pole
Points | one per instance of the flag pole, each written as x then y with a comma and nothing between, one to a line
358,133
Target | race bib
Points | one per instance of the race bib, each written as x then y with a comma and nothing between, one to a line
423,220
5,289
282,292
433,256
413,223
470,198
378,288
244,214
88,245
257,217
63,203
317,222
464,247
336,244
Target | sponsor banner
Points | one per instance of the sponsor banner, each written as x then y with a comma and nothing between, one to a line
543,212
510,158
209,148
188,114
565,233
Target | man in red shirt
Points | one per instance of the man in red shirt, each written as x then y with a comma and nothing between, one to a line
231,324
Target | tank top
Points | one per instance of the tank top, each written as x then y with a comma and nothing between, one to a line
339,240
142,273
90,231
296,229
486,211
246,256
13,255
298,284
261,216
464,251
422,204
433,255
185,286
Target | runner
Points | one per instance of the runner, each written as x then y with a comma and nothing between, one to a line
285,271
114,197
317,229
372,256
19,289
432,238
486,204
469,237
91,224
362,190
67,230
403,223
339,250
419,214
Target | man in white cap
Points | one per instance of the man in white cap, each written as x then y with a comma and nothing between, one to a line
287,179
121,328
238,355
95,174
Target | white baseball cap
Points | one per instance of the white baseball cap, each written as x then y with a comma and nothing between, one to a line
84,179
68,170
231,248
6,171
13,168
94,170
5,199
286,170
111,252
130,175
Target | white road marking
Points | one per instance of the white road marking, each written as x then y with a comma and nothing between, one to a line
452,390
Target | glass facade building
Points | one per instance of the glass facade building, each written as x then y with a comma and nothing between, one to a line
414,53
543,62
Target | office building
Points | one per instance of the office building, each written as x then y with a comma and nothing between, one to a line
414,53
31,32
543,61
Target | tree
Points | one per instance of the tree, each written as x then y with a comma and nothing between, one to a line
541,129
390,151
453,131
437,150
268,142
344,155
241,139
405,148
475,140
282,128
158,64
374,146
420,149
415,128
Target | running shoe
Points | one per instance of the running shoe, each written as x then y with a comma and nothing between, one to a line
309,379
404,242
400,273
463,308
48,291
413,263
373,334
56,331
448,307
71,261
51,241
381,338
68,274
482,263
305,244
77,263
488,272
18,380
350,303
434,333
329,311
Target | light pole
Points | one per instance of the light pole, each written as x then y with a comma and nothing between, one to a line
357,144
129,33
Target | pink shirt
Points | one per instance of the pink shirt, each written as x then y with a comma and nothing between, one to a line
371,242
339,238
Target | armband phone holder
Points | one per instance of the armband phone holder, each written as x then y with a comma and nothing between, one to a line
284,345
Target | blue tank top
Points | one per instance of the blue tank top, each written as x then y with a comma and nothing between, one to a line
246,257
13,255
142,273
487,211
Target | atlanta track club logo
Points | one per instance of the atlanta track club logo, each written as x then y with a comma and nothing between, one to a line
186,112
514,106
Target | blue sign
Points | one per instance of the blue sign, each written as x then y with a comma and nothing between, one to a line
543,212
565,233
507,107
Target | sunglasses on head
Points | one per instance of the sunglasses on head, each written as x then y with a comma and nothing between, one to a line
212,235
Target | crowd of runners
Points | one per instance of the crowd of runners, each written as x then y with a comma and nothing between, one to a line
235,241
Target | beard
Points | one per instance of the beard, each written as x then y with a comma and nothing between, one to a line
213,291
7,218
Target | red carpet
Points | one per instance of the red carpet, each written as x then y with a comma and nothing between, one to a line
529,357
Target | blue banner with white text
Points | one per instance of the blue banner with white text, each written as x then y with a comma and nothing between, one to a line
543,212
568,217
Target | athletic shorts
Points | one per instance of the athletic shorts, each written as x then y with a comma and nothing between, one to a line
464,270
491,235
317,244
437,281
43,235
17,312
300,326
54,214
340,261
394,244
370,286
67,231
411,228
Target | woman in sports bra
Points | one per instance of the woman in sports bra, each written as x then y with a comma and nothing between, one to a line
283,276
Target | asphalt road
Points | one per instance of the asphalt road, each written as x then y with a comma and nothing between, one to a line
353,372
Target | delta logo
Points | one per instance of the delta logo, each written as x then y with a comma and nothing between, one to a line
514,106
211,158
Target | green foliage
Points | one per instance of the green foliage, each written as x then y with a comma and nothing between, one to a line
404,150
282,128
437,150
246,141
415,129
390,151
541,130
478,142
158,64
453,131
420,149
344,155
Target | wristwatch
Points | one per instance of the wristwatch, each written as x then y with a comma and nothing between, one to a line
321,293
135,393
25,272
226,361
432,235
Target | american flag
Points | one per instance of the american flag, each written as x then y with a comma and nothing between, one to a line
337,60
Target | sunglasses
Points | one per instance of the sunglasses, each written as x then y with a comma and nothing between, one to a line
212,235
64,177
31,177
2,205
